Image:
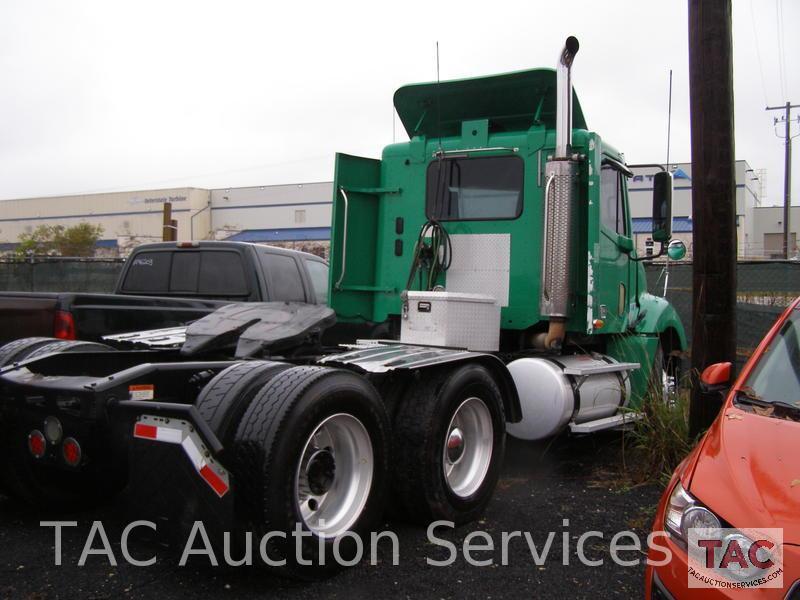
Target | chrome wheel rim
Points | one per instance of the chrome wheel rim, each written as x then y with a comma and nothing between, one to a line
468,446
334,475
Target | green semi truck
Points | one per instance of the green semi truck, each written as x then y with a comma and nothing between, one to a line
483,279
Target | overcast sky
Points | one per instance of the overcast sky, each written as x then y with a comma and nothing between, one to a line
122,95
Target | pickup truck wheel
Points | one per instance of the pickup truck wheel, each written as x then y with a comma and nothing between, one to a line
312,453
449,442
19,349
224,399
20,474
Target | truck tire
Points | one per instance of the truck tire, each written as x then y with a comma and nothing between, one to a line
20,477
312,452
61,346
448,446
224,399
19,349
665,377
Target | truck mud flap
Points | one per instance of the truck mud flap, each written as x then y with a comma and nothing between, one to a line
174,477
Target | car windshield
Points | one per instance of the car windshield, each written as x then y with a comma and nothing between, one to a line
776,377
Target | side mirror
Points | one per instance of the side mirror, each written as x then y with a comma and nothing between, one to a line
676,250
662,206
716,378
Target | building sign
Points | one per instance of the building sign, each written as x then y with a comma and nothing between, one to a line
159,200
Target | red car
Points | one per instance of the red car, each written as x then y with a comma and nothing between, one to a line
743,475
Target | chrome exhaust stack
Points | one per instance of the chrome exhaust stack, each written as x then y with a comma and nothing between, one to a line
560,193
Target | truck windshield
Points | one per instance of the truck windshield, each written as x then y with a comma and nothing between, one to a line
464,189
776,377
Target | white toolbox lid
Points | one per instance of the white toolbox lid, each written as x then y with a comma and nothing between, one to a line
451,297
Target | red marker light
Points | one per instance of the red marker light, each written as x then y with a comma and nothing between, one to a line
37,444
64,325
71,450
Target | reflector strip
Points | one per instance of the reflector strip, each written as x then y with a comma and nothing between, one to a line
148,432
171,431
217,484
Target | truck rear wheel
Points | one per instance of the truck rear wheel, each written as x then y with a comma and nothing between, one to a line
61,346
449,442
225,398
312,453
19,349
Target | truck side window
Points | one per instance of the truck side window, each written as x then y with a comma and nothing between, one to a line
470,189
612,206
148,273
318,272
222,274
287,285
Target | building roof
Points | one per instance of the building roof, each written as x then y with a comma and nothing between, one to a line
282,235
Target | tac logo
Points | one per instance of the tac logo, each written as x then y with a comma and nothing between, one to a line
735,558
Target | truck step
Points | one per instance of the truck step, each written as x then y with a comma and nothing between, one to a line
619,420
595,369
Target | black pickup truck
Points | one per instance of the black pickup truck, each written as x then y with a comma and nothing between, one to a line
168,284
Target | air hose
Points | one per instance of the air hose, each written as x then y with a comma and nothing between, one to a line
431,257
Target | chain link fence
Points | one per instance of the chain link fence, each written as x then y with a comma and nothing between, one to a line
763,290
90,275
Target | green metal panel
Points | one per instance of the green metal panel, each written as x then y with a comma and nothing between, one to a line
630,347
352,273
514,101
659,316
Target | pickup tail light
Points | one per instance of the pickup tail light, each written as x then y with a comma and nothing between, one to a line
64,325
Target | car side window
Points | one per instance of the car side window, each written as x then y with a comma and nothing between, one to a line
612,201
282,271
318,272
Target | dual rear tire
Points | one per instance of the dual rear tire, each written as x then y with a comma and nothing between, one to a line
311,458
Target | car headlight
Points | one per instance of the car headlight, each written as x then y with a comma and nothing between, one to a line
684,513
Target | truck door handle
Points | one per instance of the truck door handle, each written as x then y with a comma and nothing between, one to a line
338,285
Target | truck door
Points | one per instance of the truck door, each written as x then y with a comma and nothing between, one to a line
614,289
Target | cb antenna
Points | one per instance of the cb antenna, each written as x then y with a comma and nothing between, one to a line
669,131
669,117
438,100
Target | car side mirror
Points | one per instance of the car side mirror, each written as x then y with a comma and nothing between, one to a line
716,378
662,206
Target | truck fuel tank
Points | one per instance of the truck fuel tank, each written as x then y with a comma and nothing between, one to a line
555,391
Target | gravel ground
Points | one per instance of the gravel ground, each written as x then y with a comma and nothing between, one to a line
542,485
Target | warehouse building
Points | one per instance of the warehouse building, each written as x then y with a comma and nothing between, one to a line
299,215
757,229
296,215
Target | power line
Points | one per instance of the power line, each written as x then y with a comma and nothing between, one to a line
758,53
781,53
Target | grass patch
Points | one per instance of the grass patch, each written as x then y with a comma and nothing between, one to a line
660,440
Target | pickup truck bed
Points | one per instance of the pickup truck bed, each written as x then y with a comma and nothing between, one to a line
166,285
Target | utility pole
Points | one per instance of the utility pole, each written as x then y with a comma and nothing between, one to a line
169,229
713,198
787,175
